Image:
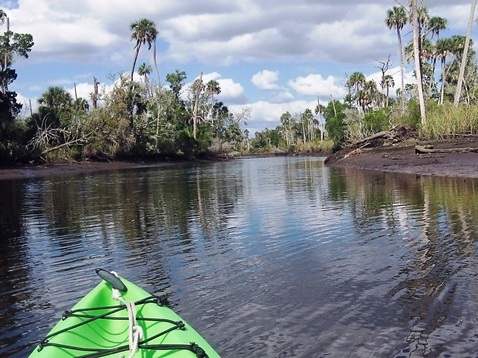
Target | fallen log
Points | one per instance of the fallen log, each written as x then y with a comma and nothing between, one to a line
421,149
375,136
396,134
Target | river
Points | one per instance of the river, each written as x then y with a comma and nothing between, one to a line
266,257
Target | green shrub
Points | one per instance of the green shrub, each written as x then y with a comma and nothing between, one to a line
377,120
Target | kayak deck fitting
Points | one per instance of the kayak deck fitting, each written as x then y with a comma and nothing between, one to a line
119,319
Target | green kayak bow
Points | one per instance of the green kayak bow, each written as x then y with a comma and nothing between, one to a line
119,319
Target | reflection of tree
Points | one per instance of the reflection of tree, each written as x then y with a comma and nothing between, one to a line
12,243
141,211
337,185
15,268
301,176
437,219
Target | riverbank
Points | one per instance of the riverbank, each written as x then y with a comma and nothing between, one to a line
73,168
399,158
402,158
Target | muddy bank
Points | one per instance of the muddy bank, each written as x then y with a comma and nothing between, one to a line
402,158
74,168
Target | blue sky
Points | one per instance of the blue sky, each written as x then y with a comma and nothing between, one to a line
271,56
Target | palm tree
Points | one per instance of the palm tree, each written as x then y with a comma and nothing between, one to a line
55,105
356,80
435,26
55,98
371,93
416,51
423,22
387,83
443,50
145,70
396,19
287,123
464,58
143,31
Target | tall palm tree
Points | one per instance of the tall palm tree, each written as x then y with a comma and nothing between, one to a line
356,82
443,50
464,58
435,26
416,51
396,19
143,31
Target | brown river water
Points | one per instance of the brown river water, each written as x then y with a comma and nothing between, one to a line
265,257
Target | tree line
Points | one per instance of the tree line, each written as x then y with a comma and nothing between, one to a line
138,118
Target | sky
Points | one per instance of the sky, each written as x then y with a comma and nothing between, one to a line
271,56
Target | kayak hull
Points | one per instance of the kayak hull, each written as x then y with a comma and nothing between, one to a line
99,326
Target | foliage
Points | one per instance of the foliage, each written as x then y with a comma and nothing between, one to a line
335,116
377,120
11,133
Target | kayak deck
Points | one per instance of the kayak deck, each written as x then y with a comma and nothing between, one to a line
101,325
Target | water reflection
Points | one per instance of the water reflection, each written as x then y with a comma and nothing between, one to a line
266,257
434,284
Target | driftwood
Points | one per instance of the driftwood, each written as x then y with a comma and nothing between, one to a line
394,135
73,142
369,139
421,149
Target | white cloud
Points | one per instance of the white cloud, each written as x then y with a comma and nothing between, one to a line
266,80
231,91
284,96
316,85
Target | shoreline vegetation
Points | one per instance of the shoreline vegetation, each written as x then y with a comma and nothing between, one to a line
451,157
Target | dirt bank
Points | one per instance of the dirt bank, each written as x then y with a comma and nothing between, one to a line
73,168
402,158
